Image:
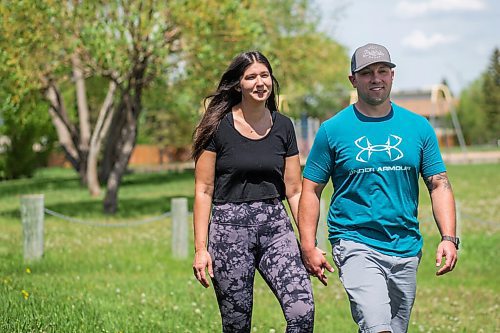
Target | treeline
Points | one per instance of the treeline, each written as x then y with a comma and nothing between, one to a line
479,106
94,77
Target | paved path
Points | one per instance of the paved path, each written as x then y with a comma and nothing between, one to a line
472,157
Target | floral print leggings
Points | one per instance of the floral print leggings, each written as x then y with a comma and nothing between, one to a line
258,235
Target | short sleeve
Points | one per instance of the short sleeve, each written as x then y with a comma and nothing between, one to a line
432,161
211,144
319,165
291,144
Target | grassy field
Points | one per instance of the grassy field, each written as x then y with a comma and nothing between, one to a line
96,279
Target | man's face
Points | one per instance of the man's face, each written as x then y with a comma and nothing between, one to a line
373,83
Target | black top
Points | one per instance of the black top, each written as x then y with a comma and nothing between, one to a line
248,169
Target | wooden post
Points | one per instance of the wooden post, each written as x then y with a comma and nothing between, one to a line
32,214
322,231
179,228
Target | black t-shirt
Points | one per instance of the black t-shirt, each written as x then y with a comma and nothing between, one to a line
251,169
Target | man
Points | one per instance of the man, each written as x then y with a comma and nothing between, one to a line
374,152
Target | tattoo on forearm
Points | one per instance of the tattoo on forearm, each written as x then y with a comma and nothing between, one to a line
435,181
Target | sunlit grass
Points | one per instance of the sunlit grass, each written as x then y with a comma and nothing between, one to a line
95,279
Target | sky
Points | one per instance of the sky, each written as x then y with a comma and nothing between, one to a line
429,40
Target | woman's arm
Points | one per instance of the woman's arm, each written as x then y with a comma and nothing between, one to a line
204,188
293,184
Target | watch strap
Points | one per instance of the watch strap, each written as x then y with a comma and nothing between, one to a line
454,240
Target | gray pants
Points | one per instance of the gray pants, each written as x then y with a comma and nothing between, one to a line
381,288
258,235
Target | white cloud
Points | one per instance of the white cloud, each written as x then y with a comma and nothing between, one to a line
413,8
418,40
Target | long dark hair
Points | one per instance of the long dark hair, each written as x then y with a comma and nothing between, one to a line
226,96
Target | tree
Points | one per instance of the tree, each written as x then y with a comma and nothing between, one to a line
26,139
66,49
479,107
128,43
25,134
317,86
145,40
491,93
471,115
125,42
309,65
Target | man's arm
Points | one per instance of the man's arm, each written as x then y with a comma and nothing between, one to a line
314,259
443,209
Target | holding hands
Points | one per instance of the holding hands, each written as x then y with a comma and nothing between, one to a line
316,263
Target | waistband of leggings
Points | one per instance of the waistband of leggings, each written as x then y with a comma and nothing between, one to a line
249,213
270,201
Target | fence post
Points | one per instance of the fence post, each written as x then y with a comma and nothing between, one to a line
179,227
322,231
32,214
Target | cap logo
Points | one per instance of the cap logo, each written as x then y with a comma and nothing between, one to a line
372,53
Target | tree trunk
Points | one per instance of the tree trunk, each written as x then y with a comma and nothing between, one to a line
113,142
83,116
122,139
123,151
132,107
100,132
66,132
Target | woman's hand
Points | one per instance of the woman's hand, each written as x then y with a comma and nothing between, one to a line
202,261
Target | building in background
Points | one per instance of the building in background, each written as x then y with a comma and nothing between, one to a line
437,105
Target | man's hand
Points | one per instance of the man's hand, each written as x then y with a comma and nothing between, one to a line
202,261
316,263
446,249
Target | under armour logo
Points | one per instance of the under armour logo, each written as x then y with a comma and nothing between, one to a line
390,147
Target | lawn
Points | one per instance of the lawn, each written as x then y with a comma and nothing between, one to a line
98,279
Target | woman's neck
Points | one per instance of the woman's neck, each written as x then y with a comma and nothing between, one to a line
253,123
251,113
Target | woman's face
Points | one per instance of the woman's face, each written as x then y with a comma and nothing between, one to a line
256,83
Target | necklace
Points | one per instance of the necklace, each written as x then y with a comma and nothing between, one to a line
258,128
262,125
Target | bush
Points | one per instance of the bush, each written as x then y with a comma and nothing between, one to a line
27,137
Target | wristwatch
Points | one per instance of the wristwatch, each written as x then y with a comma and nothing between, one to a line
454,240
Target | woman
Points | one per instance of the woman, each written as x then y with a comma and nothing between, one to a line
246,162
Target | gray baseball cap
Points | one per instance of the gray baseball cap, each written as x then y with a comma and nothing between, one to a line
369,54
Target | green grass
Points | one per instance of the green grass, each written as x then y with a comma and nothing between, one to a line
95,279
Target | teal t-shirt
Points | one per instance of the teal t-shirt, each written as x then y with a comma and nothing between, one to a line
374,164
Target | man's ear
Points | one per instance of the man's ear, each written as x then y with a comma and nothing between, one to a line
353,80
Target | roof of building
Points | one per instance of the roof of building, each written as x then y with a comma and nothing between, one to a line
423,102
436,101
